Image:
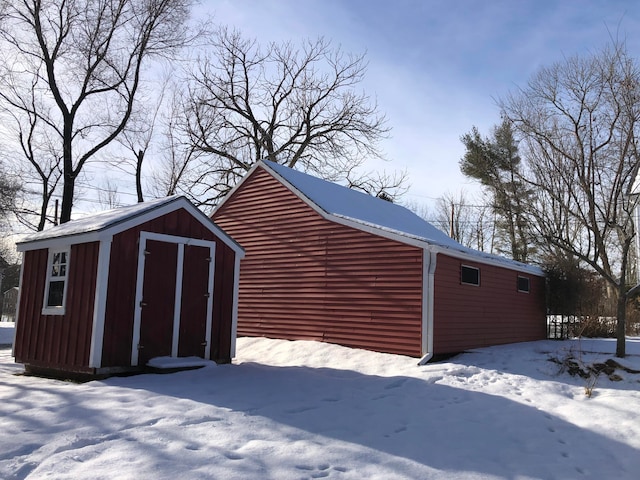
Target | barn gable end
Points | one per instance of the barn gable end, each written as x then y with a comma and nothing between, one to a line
305,277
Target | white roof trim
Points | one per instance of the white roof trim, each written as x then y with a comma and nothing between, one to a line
56,236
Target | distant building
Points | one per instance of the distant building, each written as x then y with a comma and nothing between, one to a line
3,266
9,303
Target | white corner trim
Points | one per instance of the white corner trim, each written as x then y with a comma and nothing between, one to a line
17,319
210,300
234,308
429,264
100,304
137,310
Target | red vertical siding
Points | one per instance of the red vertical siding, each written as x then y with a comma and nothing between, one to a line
467,316
120,308
304,277
57,341
222,304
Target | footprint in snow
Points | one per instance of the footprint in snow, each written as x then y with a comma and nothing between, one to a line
322,470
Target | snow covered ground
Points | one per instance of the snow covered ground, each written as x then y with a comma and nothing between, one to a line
302,410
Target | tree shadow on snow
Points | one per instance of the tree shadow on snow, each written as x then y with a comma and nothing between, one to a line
439,426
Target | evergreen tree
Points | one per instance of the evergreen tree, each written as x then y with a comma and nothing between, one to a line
495,163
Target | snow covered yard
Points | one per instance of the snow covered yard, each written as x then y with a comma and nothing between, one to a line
298,410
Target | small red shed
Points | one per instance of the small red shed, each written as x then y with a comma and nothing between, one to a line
108,292
325,262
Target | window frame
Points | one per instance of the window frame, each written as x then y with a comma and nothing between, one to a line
469,267
522,277
56,309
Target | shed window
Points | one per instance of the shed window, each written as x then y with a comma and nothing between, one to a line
469,275
56,285
523,284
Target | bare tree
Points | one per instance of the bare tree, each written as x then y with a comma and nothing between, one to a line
35,157
82,61
9,189
300,107
177,168
465,221
580,120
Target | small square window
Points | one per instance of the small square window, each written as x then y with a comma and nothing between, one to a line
523,284
469,275
56,284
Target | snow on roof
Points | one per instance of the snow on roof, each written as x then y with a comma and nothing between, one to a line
105,224
359,207
99,221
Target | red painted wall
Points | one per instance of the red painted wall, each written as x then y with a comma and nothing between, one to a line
57,341
467,316
304,277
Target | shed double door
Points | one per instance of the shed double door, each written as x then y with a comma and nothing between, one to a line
175,300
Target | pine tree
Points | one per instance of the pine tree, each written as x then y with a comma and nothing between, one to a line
495,163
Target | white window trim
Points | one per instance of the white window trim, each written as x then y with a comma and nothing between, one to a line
468,283
528,284
56,310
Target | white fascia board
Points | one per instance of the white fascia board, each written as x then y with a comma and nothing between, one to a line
429,264
509,265
234,307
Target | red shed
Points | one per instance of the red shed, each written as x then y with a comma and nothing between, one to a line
108,292
324,262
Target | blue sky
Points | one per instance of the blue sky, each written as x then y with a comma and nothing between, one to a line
436,67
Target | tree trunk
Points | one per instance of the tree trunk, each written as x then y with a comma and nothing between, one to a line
621,322
139,159
68,175
67,198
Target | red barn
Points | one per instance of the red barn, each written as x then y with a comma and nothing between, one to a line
328,263
108,292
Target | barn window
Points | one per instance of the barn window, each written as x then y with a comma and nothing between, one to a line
56,285
523,284
469,275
